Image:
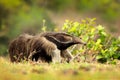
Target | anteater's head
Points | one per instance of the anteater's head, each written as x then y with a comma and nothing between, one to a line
63,40
64,37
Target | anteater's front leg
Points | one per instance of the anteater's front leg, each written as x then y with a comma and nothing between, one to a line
67,55
56,57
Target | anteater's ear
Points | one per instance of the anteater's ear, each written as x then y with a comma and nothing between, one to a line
56,40
52,38
64,37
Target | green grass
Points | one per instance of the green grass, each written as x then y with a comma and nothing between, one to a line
61,71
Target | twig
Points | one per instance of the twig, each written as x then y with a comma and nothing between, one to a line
73,48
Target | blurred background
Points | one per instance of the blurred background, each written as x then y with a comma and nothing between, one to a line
29,16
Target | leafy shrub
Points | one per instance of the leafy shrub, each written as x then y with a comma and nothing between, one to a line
101,46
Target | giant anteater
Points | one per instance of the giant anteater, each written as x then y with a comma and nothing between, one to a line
48,47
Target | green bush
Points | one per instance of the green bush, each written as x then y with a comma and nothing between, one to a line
29,21
102,46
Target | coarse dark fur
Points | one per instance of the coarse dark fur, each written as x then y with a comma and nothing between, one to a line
27,47
18,48
49,46
44,49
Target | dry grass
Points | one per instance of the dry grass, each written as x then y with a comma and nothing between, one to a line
61,71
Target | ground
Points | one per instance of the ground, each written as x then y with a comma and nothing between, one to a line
59,71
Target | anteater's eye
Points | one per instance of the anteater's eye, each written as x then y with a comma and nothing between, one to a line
80,37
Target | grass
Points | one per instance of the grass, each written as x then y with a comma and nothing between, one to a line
59,71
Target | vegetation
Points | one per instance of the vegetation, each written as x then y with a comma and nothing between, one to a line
32,16
76,71
19,16
100,46
107,9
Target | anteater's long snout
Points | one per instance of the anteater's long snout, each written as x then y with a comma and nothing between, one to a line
82,42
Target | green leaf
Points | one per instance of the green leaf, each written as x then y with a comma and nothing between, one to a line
98,41
103,33
76,24
100,27
99,57
93,31
85,38
93,19
73,29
